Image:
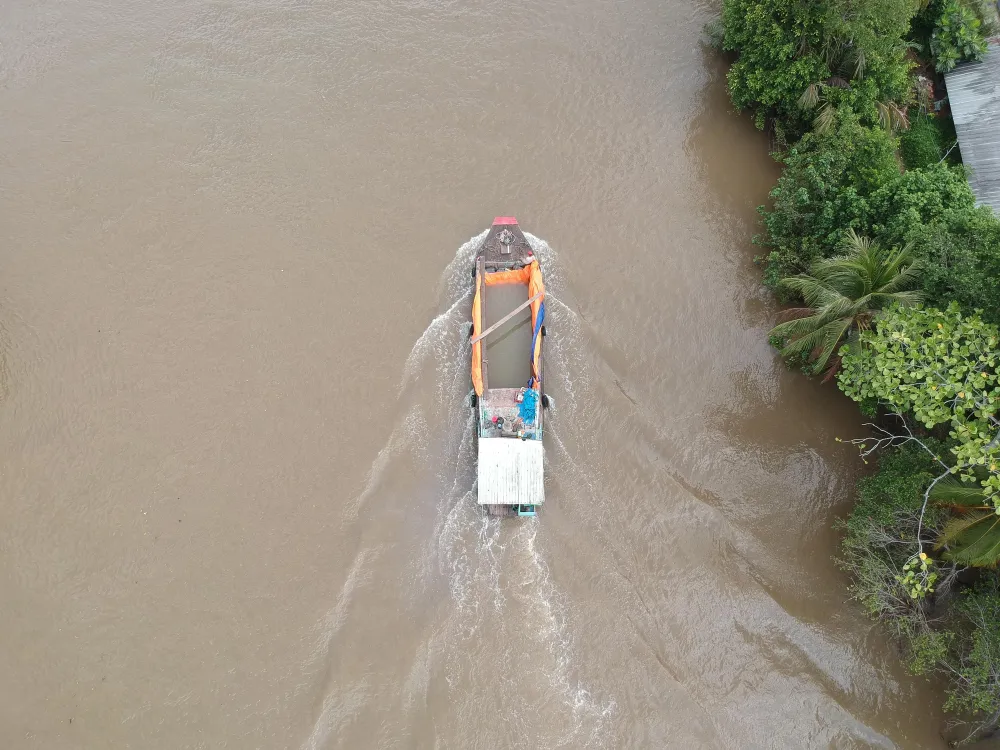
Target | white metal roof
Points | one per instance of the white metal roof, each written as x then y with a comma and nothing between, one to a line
974,95
510,472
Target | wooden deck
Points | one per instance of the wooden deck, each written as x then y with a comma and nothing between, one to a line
501,402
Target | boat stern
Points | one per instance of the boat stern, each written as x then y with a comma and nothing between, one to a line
511,474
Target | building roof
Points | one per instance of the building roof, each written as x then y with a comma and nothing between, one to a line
974,96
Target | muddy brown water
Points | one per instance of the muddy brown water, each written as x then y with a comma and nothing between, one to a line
236,460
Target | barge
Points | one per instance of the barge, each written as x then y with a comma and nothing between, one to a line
507,331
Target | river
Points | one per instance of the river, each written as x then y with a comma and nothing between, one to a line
236,465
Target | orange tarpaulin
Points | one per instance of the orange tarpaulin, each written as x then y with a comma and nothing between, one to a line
530,276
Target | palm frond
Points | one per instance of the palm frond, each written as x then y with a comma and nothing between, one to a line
860,63
849,279
825,119
893,262
979,546
794,313
855,243
904,280
901,118
883,114
956,527
832,334
830,51
804,343
793,329
844,307
810,97
892,117
907,298
812,289
951,491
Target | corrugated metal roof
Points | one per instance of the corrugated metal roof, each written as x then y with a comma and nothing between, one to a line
974,95
510,472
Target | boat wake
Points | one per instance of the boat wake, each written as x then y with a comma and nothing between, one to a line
507,611
502,639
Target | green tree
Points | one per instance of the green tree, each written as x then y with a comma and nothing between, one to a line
786,46
899,208
932,209
844,294
960,251
974,661
941,367
880,537
823,192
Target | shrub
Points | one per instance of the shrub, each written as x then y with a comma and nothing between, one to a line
957,243
976,655
880,538
903,205
957,36
920,146
961,642
961,257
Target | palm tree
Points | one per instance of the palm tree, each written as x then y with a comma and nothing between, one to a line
844,294
972,536
848,62
892,116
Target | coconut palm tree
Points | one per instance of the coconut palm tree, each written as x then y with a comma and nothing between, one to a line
892,116
848,62
972,536
844,294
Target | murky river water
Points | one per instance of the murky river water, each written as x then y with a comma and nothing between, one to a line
236,465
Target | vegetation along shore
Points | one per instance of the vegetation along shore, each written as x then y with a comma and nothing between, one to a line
891,277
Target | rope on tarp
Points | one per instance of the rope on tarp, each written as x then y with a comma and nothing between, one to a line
534,340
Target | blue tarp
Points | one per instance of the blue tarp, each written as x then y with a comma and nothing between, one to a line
529,406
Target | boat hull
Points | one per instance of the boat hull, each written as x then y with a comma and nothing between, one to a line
509,420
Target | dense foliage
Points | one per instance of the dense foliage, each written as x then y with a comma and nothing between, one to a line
960,250
865,155
974,656
881,536
943,368
848,179
823,192
785,46
958,643
957,36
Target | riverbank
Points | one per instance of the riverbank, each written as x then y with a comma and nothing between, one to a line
892,277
